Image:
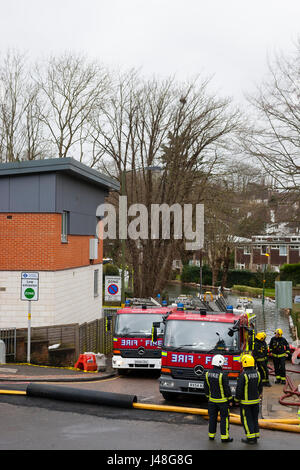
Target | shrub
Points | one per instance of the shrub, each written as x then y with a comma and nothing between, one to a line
290,272
110,270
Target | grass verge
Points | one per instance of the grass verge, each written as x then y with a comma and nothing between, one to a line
254,291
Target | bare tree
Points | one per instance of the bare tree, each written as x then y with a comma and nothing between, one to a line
20,127
72,89
165,141
274,137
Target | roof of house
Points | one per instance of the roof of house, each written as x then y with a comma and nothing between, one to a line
67,165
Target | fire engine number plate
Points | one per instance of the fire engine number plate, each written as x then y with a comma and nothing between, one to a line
140,361
196,385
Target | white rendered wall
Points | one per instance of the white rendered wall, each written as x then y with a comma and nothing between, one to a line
64,297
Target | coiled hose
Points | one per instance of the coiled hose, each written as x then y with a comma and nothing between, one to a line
289,389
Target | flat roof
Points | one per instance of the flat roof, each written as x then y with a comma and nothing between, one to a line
66,165
219,317
151,310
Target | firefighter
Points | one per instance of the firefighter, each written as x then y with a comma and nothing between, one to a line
260,354
248,392
279,349
217,390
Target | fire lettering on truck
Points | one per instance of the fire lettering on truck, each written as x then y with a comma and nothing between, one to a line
208,360
129,342
148,342
182,358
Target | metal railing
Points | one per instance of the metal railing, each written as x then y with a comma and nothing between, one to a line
9,337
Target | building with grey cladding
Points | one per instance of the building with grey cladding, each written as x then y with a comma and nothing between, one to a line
48,225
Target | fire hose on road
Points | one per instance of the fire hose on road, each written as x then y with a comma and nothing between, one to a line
290,389
130,401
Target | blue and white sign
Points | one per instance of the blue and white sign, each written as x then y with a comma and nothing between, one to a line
113,288
29,286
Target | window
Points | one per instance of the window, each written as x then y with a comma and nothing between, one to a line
64,227
282,250
264,249
240,266
247,250
96,282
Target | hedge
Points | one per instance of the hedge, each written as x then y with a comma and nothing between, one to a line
192,274
110,270
235,276
290,272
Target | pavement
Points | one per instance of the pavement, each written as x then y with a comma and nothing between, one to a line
271,407
36,373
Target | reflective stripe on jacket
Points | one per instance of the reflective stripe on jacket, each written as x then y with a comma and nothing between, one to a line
216,386
249,387
279,347
260,350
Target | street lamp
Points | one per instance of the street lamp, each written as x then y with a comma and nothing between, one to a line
200,273
123,192
264,281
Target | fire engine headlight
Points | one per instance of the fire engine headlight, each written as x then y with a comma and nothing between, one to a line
167,383
117,361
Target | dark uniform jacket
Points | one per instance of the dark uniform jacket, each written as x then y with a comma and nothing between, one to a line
216,386
249,387
260,350
279,346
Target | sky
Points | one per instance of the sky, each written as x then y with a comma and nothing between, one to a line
228,40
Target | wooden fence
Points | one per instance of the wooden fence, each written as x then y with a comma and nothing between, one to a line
87,337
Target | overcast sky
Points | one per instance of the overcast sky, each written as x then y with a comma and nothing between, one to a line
230,39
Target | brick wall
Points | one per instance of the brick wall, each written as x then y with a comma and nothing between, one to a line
33,242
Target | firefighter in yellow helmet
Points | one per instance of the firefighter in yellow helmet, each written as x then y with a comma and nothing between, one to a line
248,393
279,349
260,354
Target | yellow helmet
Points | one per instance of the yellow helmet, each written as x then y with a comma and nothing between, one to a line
248,360
261,336
279,331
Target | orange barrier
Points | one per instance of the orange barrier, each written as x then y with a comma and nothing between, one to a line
86,362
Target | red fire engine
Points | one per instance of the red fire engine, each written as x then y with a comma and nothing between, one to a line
192,338
133,347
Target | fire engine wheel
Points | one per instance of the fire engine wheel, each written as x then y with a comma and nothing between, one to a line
169,395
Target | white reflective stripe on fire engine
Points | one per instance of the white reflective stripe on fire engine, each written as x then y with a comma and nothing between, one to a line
119,362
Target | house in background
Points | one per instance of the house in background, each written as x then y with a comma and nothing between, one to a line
283,248
48,225
280,237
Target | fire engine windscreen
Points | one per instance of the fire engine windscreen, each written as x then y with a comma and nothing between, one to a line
135,324
200,336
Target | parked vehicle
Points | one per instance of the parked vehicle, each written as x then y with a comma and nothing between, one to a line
192,338
133,347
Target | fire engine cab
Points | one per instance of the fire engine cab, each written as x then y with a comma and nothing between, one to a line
192,338
133,347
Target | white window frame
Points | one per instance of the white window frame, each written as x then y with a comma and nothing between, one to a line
64,226
96,282
280,250
264,247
